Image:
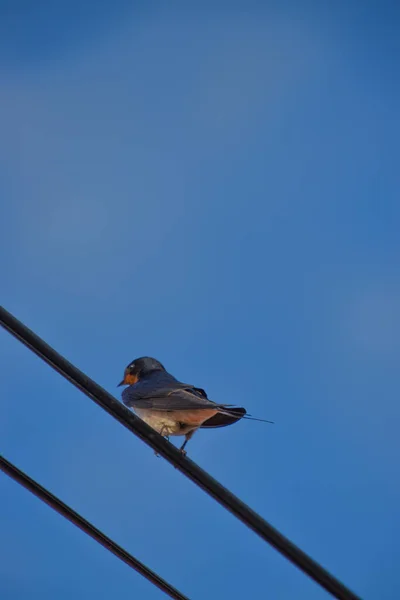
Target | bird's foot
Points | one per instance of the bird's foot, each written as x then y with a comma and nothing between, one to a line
166,437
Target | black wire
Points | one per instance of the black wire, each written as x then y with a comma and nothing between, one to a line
87,527
228,500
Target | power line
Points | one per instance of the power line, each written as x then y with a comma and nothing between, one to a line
200,477
87,527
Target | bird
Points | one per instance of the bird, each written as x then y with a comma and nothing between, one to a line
171,407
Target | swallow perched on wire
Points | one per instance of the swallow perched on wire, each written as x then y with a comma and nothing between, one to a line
170,406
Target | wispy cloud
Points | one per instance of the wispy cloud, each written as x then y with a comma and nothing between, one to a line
93,156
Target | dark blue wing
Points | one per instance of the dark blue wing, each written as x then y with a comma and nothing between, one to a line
166,399
163,392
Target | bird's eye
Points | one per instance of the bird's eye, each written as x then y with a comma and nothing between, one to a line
131,366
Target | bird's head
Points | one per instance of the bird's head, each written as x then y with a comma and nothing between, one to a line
140,367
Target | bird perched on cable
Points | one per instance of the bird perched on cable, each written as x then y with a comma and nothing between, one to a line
170,406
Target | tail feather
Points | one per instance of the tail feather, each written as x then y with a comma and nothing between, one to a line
228,416
222,419
251,418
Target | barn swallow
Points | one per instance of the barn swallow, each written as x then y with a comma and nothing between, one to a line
171,407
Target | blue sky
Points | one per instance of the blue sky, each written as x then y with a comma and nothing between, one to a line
218,188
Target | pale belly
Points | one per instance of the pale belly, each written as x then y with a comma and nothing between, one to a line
174,423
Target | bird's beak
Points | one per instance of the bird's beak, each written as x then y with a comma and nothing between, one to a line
129,380
125,380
